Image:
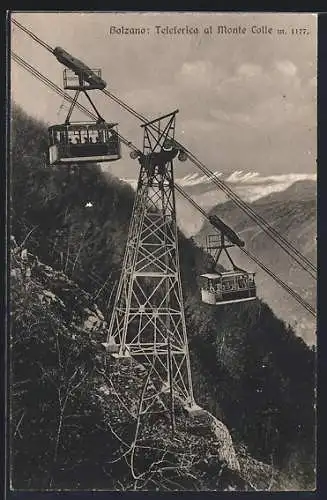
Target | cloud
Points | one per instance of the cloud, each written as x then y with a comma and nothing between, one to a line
287,68
244,102
196,75
313,82
265,97
151,100
249,70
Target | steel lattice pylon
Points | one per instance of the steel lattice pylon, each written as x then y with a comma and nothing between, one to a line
148,315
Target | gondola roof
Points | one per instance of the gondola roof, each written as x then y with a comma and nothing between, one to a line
83,126
222,274
211,276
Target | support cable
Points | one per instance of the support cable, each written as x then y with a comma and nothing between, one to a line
278,280
85,110
288,247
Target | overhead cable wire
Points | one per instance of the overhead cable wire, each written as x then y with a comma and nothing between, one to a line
85,110
32,35
288,247
278,280
63,94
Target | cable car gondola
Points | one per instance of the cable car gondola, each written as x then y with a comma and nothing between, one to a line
226,286
81,142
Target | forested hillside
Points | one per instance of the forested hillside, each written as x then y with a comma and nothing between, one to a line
249,369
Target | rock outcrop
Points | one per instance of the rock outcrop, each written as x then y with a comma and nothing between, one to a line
144,453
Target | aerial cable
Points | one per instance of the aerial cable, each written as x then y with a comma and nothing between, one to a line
288,247
82,108
278,280
32,35
303,262
63,94
286,287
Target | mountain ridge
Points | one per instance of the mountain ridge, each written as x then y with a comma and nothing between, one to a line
260,185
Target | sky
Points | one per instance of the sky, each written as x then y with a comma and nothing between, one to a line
247,102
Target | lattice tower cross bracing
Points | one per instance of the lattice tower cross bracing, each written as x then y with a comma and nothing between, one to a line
148,315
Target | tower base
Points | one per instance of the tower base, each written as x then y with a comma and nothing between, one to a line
119,355
194,410
113,349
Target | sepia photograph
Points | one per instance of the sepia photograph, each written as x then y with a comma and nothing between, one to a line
162,251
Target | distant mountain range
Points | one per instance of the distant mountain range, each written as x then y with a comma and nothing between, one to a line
250,186
260,185
292,212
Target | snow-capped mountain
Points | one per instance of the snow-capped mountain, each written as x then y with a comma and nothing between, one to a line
250,186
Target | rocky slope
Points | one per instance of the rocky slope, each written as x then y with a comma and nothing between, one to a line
76,419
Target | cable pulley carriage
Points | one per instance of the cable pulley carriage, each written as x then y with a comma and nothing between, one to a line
220,287
81,142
